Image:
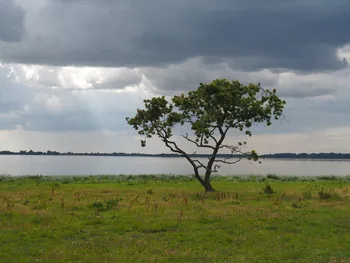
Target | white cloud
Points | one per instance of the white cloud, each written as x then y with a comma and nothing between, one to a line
344,52
130,33
74,77
86,99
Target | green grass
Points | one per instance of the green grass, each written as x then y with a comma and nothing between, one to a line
170,219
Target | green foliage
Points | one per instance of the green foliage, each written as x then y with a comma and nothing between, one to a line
220,105
210,112
268,190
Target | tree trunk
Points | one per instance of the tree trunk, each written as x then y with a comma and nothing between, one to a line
204,182
208,187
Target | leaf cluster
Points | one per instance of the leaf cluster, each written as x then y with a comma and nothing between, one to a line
215,107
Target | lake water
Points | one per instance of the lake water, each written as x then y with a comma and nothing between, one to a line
93,165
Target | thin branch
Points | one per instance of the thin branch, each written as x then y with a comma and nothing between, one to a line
193,154
228,162
215,169
189,120
202,138
230,147
212,136
200,164
174,148
196,143
234,150
212,158
170,147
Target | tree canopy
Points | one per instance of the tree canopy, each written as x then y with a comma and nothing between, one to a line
210,111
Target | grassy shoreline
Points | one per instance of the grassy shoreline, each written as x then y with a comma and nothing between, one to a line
165,218
167,177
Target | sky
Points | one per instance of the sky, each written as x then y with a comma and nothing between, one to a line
72,70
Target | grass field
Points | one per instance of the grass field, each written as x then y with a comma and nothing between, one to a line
171,219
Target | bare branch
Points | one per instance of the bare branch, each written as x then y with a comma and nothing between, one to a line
215,169
196,164
196,143
234,150
202,138
212,136
170,144
167,144
228,162
200,164
175,145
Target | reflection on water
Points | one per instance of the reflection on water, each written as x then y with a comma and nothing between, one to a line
93,165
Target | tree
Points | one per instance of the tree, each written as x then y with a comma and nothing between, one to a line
211,111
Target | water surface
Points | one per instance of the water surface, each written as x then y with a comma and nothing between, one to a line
93,165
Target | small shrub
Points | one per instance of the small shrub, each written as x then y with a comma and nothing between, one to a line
150,192
110,204
268,190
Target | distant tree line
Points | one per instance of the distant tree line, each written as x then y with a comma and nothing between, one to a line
330,155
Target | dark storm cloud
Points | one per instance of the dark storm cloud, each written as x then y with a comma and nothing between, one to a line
11,21
285,36
250,35
188,75
305,92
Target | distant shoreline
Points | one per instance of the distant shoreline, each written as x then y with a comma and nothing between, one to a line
326,156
